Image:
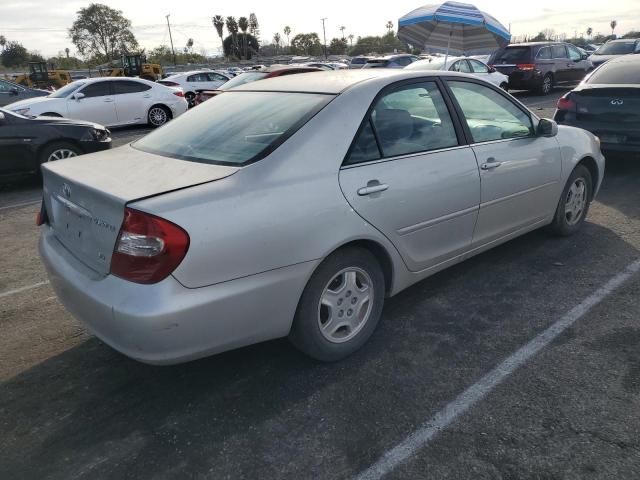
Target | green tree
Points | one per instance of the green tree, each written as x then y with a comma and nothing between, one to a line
232,28
66,51
385,44
338,46
3,41
351,36
287,32
231,46
306,44
342,29
243,25
102,31
14,55
163,55
276,40
254,26
389,26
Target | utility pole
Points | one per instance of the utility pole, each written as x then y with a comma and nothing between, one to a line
171,39
324,34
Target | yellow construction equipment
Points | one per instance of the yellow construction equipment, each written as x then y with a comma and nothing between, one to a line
133,66
40,76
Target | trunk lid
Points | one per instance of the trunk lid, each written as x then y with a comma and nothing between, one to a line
85,196
603,104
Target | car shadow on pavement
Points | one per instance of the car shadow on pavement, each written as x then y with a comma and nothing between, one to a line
92,413
621,185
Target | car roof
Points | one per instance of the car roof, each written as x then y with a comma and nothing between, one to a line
335,81
624,40
114,79
532,44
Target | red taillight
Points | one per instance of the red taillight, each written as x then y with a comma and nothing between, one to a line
149,248
566,103
179,94
526,67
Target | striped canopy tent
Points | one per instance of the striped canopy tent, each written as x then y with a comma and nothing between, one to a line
453,27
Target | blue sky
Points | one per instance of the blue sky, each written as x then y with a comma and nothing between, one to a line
41,24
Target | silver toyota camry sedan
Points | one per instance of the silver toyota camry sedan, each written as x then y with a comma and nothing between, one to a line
294,206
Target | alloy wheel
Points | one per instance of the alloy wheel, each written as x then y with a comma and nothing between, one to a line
157,116
61,154
345,305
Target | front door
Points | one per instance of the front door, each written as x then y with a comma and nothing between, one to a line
519,171
15,145
408,175
97,105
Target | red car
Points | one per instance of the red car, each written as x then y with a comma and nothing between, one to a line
252,76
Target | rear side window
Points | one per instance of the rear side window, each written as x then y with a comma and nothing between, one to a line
234,128
121,87
513,55
98,89
559,51
403,61
545,53
216,77
625,73
198,77
407,120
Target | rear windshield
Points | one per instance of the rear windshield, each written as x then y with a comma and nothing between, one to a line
616,73
242,79
513,55
234,128
616,48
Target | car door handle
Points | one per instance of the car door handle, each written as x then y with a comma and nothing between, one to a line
490,164
108,100
368,190
147,96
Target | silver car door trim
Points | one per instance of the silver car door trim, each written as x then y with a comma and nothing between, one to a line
501,140
517,194
400,157
430,223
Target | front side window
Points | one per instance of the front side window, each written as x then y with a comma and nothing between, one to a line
5,87
478,67
98,89
216,77
234,128
407,120
198,77
489,115
67,90
574,54
559,51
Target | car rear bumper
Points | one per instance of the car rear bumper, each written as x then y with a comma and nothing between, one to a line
628,140
525,80
92,147
166,323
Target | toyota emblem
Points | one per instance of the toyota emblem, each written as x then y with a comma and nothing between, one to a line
66,190
617,101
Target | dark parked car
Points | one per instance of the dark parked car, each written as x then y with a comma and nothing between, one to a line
246,77
391,61
607,103
614,49
539,66
27,142
12,92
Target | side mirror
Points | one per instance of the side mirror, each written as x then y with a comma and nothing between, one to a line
78,96
492,70
547,128
14,91
585,56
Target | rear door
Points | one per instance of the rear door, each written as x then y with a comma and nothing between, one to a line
409,175
519,171
578,64
132,101
98,104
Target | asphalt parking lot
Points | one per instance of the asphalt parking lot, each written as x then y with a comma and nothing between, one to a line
406,406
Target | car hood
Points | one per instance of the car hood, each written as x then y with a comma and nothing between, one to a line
58,121
30,102
602,58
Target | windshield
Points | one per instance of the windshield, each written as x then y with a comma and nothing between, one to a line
66,90
242,79
235,128
513,55
616,48
436,64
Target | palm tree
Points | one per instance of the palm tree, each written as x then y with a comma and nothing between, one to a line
351,39
342,29
232,28
389,26
190,44
287,32
589,32
3,42
243,24
218,22
613,25
276,40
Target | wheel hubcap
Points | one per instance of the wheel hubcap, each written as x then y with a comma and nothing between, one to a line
191,99
61,154
345,305
547,85
576,201
158,116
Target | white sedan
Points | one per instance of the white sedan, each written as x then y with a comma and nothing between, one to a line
472,66
193,82
109,101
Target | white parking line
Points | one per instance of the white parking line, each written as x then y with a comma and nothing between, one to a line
23,289
23,204
472,395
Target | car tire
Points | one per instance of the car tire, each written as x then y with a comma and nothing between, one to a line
158,116
504,86
333,319
546,85
59,151
574,203
190,97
